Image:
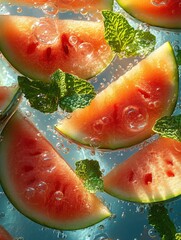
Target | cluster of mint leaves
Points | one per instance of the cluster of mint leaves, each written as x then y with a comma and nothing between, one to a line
64,90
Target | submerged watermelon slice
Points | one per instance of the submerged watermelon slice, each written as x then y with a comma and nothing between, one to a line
124,113
4,235
6,96
155,12
88,5
40,183
151,175
37,47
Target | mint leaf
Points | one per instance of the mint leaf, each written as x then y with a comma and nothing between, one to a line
178,57
63,90
89,172
42,96
124,39
159,218
74,91
169,126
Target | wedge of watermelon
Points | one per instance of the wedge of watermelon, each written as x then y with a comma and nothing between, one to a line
39,182
4,235
151,175
161,13
124,113
37,47
74,5
6,95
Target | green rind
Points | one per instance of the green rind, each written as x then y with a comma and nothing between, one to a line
78,138
13,197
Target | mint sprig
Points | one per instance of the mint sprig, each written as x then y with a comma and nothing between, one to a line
63,90
178,57
124,39
169,126
159,218
89,171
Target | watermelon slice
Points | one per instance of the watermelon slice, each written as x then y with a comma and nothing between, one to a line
6,95
161,13
4,235
150,175
88,5
39,182
37,47
124,113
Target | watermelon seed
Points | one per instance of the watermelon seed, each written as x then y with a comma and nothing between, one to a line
32,47
148,178
170,173
27,168
169,162
131,176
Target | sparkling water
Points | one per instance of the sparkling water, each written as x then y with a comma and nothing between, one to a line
129,220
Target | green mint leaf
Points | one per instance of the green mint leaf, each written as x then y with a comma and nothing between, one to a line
159,218
74,91
124,39
89,171
42,96
178,57
178,236
169,126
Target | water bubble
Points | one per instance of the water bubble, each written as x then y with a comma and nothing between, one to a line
73,40
29,192
135,118
177,146
86,49
42,187
50,8
152,233
58,195
159,2
46,156
46,31
154,104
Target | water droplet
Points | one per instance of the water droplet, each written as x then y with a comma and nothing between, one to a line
135,118
46,31
152,233
86,49
73,40
46,156
154,104
159,2
177,146
50,8
29,192
58,195
42,187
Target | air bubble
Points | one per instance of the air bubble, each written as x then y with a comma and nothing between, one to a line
86,49
135,118
46,156
58,195
42,187
29,192
159,2
46,31
50,9
177,146
73,40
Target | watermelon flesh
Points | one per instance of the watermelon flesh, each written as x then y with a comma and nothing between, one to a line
161,13
37,47
4,235
6,96
124,113
40,183
88,5
150,175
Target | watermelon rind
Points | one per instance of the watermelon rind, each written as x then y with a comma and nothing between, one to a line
84,124
95,210
150,175
154,15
